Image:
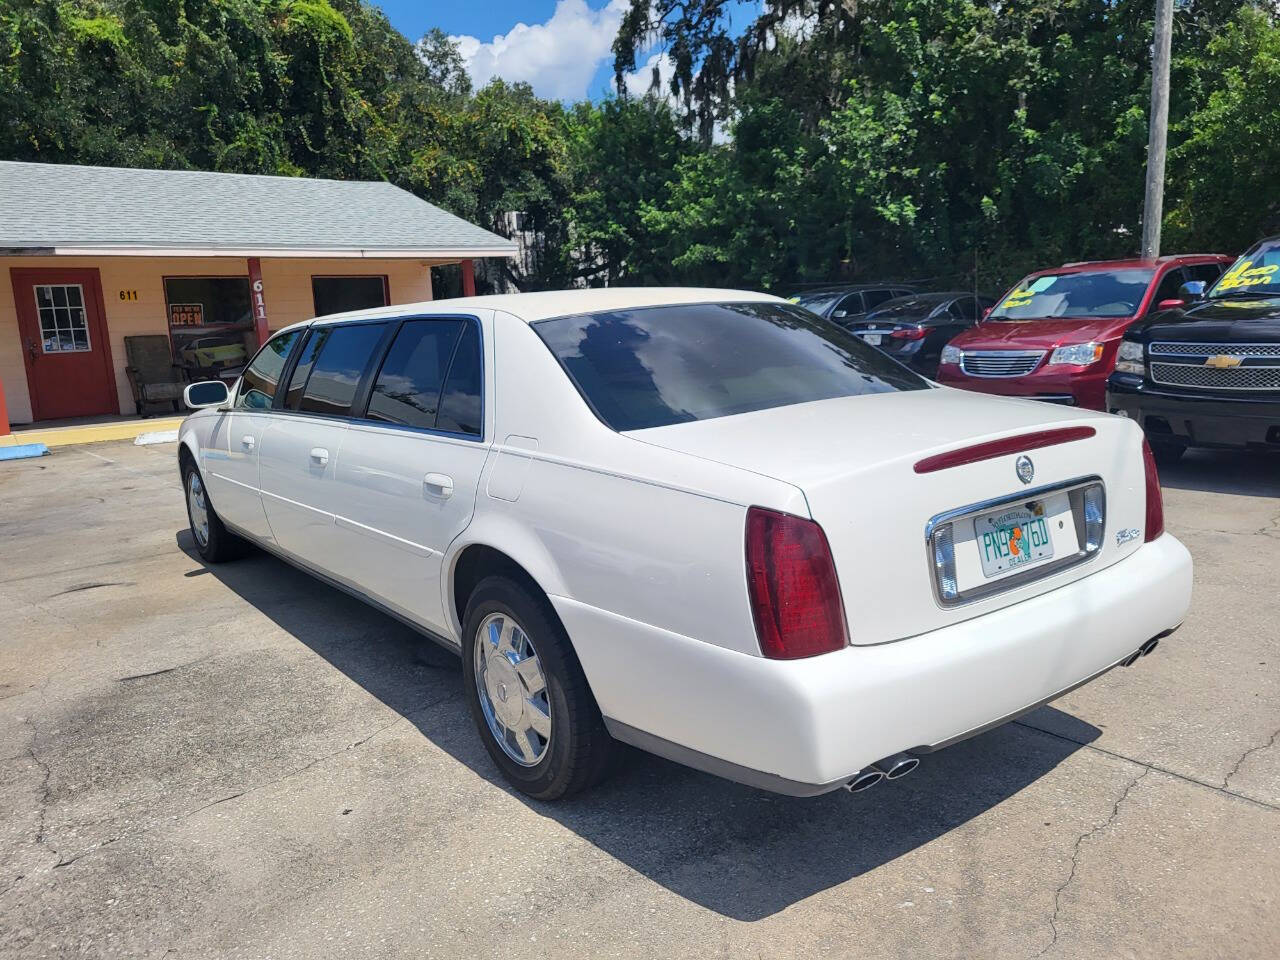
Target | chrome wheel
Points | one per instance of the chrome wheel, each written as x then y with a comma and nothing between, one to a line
512,689
198,508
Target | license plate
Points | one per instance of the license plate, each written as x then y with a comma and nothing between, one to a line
872,338
1011,538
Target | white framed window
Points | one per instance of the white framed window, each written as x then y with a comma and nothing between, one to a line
64,327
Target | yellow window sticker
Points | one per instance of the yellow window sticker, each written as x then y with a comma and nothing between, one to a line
1245,274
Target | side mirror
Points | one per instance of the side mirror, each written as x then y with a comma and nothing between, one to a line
1191,291
1170,304
206,393
839,313
985,311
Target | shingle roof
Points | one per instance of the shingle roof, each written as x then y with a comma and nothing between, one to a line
74,209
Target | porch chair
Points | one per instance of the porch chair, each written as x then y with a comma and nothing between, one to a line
153,375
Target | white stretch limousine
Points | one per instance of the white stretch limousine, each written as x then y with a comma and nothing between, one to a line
703,522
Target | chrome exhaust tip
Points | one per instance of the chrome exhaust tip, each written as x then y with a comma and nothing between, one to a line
865,780
1149,646
1131,658
899,765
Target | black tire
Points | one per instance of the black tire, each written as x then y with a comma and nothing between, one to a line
220,544
1166,453
579,751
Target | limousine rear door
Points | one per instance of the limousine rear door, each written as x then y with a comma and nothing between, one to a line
411,465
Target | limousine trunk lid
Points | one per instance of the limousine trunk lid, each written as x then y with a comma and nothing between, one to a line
862,464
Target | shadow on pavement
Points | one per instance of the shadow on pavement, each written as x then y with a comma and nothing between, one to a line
743,853
1225,471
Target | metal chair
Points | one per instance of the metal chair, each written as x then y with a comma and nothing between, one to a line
153,375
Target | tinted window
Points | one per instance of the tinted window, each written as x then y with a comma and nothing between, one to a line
460,406
655,366
339,363
302,369
407,389
258,383
908,307
851,304
965,308
1205,272
876,297
1168,288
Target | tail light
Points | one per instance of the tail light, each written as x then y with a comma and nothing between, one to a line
1155,500
908,333
791,579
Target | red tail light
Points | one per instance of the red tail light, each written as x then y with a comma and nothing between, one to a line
1155,500
908,333
791,579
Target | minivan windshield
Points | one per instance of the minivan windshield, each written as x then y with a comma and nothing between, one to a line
1095,293
654,366
1257,273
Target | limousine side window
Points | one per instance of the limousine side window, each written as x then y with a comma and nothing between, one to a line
460,406
259,381
302,369
339,363
407,390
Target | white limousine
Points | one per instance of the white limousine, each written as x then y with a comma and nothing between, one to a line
702,522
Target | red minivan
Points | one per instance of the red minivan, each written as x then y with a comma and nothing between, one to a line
1054,336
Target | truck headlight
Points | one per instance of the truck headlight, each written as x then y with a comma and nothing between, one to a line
1078,354
1129,360
950,354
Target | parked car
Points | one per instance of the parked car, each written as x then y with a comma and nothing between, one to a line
1054,336
849,302
1207,373
212,353
720,556
913,330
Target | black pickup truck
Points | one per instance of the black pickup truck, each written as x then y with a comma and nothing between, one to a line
1206,373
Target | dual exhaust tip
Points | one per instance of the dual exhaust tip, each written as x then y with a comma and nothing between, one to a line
890,768
1142,651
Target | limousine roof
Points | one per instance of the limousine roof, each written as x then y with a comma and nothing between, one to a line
532,307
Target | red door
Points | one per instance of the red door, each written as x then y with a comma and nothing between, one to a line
61,320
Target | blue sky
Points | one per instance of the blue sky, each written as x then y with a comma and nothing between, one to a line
561,47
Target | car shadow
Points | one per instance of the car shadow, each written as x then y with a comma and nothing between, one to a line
740,852
1224,471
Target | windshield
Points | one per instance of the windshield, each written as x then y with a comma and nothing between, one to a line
1098,293
910,307
819,303
1257,272
654,366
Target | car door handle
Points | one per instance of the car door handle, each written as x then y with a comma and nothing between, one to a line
439,484
320,455
247,442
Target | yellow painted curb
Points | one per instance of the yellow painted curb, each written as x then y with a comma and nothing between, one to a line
90,432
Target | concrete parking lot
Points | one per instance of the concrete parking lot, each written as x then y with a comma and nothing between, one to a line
241,762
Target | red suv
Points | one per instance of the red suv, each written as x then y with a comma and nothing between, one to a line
1054,336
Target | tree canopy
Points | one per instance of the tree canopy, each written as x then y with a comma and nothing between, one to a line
952,140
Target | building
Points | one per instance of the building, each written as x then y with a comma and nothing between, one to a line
213,261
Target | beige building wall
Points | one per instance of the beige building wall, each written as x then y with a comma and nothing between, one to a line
286,283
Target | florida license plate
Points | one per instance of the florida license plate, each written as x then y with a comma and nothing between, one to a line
1011,538
872,338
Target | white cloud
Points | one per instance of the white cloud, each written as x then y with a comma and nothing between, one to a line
558,58
641,82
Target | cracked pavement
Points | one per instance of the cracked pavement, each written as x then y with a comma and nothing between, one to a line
240,762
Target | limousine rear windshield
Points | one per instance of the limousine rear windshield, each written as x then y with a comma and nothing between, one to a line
654,366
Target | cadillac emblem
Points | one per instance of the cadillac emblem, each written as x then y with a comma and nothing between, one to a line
1025,469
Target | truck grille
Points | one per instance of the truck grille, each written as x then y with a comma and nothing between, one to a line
1000,363
1189,365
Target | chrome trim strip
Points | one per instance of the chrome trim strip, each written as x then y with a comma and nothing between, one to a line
1039,572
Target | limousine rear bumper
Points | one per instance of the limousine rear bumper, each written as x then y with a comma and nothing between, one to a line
803,727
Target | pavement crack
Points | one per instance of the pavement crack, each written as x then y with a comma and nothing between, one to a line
1151,766
1075,858
94,586
1271,742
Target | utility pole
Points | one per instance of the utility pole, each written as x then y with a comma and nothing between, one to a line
1157,140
